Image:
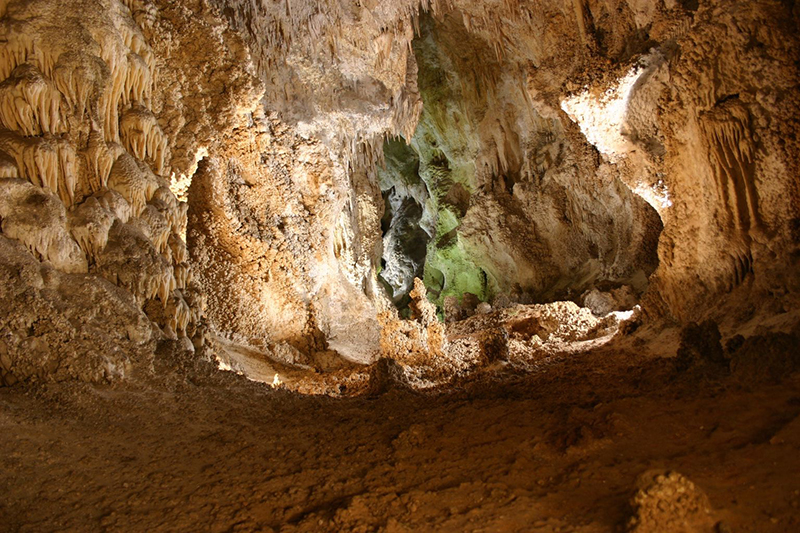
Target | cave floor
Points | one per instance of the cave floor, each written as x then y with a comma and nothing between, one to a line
555,451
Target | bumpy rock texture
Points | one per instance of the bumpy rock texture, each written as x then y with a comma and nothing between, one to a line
101,108
281,172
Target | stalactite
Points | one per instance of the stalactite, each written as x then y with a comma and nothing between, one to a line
130,261
132,182
8,166
159,227
36,158
138,82
134,40
115,203
89,224
382,47
143,138
173,210
17,49
29,104
165,284
178,312
68,167
731,153
183,274
100,157
38,220
179,252
112,94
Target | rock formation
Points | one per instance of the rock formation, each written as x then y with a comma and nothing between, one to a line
399,265
279,173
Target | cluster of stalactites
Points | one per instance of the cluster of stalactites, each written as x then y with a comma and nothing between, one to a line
83,159
57,79
45,161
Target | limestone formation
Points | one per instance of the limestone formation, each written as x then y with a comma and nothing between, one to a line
85,189
280,173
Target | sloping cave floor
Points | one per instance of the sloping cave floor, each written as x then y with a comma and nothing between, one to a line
559,450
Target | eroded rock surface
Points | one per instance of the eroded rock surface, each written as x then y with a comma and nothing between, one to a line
267,170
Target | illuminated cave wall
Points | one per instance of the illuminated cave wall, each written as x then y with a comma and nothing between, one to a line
513,205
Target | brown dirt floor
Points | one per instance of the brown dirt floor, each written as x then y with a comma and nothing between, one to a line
559,450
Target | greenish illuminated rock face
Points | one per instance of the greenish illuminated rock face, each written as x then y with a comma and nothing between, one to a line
427,190
404,237
438,160
506,199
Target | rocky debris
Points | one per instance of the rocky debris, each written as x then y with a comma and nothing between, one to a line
603,302
767,358
667,502
700,348
60,326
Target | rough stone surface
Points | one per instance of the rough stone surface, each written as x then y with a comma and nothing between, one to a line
265,170
668,502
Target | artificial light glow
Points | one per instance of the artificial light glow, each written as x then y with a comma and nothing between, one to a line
600,117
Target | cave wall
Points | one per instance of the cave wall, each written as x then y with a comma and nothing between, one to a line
702,126
554,140
104,104
523,207
345,76
729,119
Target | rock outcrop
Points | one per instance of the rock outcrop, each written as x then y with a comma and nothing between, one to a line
98,110
281,172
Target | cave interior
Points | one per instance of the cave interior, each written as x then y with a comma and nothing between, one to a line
407,265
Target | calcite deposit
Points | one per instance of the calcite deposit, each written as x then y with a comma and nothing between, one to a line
86,190
399,265
280,173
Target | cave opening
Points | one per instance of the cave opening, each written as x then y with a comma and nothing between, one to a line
491,203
